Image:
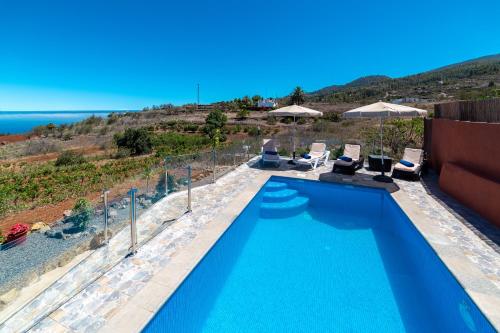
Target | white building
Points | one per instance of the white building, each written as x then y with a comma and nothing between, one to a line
267,103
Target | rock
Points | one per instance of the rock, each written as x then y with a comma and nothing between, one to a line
50,233
56,234
98,240
67,213
9,296
40,227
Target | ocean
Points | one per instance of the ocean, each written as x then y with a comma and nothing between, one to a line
18,122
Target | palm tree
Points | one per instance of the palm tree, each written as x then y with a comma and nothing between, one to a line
298,96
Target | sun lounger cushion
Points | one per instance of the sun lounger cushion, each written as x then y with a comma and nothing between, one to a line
270,152
402,167
407,163
343,163
345,158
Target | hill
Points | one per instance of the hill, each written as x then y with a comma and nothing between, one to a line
472,79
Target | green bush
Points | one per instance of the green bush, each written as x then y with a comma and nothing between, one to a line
170,143
283,152
253,131
122,153
82,213
271,120
243,114
69,157
301,121
332,116
138,141
190,128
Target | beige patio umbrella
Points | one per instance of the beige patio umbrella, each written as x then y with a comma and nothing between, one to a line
384,110
295,111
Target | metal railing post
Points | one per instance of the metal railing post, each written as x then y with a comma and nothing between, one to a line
189,188
166,176
133,225
106,215
214,164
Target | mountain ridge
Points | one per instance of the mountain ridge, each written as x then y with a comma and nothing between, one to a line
460,78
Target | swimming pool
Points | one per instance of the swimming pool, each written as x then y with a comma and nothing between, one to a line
306,256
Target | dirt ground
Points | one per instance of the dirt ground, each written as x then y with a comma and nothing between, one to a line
5,139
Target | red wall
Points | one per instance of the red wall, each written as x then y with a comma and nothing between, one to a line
471,152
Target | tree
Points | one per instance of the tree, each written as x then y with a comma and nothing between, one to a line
298,96
214,123
256,98
246,102
137,141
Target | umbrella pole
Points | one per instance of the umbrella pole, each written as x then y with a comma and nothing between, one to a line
293,136
382,177
382,144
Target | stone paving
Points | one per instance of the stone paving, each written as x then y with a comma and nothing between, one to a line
484,254
64,308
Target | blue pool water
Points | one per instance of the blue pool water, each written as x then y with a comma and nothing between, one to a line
307,256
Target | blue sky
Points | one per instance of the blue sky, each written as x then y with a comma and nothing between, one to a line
122,54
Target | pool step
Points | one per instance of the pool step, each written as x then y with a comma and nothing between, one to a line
275,186
280,196
284,209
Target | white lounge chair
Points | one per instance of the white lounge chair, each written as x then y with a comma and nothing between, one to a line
318,155
412,155
353,152
269,152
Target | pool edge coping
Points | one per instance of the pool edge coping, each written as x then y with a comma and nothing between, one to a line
163,284
142,307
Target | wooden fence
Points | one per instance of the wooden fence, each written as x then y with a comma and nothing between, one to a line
476,111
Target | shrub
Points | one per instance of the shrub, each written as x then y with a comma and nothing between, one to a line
271,120
332,116
243,114
82,213
283,152
112,118
122,153
138,141
319,126
69,157
254,131
190,128
301,121
66,137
